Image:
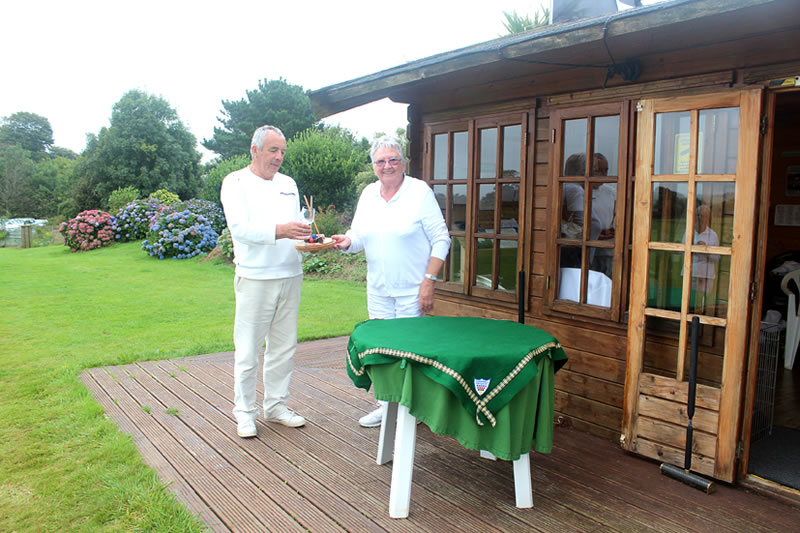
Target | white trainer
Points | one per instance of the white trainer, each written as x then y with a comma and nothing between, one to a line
289,419
246,429
373,419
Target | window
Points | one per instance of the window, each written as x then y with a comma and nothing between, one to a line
586,238
475,168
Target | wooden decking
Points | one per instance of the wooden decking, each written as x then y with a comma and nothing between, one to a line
323,477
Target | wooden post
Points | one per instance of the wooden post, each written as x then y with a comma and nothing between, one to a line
27,236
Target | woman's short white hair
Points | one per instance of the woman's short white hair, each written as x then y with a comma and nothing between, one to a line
387,141
261,134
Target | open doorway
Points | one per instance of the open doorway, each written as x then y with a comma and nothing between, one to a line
775,433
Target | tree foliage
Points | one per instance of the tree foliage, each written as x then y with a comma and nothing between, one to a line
30,131
217,173
146,147
516,23
274,102
324,163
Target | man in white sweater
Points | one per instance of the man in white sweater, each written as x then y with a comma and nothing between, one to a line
262,208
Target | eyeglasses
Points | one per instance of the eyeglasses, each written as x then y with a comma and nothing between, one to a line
392,162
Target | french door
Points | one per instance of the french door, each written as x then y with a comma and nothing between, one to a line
695,193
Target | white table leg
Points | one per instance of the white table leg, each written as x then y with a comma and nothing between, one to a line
523,489
386,439
403,468
488,455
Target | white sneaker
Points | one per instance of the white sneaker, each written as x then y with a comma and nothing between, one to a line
246,429
289,419
373,419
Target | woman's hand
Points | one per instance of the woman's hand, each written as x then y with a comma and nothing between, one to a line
342,242
426,296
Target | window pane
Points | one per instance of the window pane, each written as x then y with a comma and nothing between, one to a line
601,260
718,142
604,211
456,259
569,273
440,192
660,358
460,155
483,267
672,143
486,197
710,343
507,276
714,212
598,289
509,208
606,146
665,280
575,147
668,216
488,161
572,210
710,284
512,143
440,156
458,207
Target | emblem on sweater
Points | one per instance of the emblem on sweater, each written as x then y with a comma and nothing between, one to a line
481,385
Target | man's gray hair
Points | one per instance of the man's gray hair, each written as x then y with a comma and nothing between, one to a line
260,134
387,141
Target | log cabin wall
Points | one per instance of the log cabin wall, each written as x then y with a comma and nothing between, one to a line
589,390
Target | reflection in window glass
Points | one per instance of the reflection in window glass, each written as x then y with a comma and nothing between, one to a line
456,259
659,358
606,146
572,207
711,340
440,156
665,280
486,202
714,212
601,261
604,211
672,143
440,192
569,273
718,142
458,207
512,143
460,155
488,161
507,274
509,208
710,284
668,214
575,147
483,266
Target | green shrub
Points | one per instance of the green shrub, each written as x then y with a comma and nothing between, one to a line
225,243
320,264
122,197
89,230
362,179
328,221
165,197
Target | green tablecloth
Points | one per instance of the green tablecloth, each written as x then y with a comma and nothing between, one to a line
456,373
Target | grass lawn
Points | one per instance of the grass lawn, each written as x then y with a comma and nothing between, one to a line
64,466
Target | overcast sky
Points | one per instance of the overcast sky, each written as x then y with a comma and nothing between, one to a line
70,61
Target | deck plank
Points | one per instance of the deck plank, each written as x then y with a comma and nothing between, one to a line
323,477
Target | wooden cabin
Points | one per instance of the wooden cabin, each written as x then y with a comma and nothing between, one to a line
570,163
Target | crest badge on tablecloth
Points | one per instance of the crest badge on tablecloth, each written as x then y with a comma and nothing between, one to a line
481,385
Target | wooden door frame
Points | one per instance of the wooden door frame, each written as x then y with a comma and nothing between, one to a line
731,389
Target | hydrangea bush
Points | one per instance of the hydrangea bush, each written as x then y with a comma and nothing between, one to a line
133,220
179,235
211,210
89,230
225,243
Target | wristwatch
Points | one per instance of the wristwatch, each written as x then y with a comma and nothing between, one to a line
431,276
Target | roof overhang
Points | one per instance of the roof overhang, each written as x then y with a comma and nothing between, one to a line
669,39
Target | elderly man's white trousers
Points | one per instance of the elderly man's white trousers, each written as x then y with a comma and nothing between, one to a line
266,312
